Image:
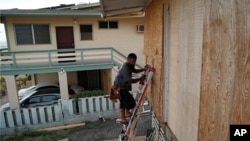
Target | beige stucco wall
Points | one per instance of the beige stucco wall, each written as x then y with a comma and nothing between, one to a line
53,77
125,39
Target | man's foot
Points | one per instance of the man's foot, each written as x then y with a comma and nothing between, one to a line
121,121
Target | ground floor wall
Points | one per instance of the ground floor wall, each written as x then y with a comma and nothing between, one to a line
53,77
72,77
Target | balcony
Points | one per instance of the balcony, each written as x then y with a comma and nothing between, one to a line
48,61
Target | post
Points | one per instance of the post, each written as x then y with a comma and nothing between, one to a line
12,92
63,82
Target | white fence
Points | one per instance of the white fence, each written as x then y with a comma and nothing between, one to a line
65,112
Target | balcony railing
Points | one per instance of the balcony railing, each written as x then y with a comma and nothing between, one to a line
42,61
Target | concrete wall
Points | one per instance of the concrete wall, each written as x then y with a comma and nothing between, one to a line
125,39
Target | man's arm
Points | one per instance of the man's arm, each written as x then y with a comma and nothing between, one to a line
137,79
139,70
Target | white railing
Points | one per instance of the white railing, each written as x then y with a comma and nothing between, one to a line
65,112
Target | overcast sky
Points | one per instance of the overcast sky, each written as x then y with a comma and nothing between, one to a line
32,4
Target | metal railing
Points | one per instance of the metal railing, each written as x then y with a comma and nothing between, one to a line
13,61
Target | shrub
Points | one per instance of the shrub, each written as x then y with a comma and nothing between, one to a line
89,93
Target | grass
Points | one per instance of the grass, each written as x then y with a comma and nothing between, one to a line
31,135
35,136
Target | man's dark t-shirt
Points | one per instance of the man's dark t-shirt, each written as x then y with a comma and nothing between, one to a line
124,76
123,80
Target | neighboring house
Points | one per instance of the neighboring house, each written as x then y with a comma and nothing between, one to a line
68,45
201,52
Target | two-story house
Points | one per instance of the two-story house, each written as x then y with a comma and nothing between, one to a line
68,45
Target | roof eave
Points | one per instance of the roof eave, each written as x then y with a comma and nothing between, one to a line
49,14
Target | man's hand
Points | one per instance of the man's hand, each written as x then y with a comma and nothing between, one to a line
146,67
142,78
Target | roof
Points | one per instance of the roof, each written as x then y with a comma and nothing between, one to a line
89,9
123,8
48,12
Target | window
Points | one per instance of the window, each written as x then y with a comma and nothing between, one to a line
113,24
86,32
32,34
34,100
108,24
49,98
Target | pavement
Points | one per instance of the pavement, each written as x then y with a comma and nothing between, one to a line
108,130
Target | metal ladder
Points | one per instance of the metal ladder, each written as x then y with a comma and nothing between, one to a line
128,132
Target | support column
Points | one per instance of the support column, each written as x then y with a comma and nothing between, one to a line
63,82
12,92
33,80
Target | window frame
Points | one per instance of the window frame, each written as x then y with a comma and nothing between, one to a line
92,37
108,24
32,32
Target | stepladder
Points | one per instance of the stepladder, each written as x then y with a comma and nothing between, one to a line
128,132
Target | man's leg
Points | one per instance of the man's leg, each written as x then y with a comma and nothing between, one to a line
127,113
122,115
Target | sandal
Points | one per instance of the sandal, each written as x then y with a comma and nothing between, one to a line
120,121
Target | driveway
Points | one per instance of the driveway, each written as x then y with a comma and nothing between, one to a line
107,130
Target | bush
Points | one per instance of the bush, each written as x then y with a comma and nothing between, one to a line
2,86
89,93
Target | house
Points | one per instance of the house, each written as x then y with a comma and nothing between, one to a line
201,52
69,45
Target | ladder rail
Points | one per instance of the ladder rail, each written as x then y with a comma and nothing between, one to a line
129,133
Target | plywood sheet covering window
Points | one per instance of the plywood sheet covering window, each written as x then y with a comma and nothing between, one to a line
225,85
185,49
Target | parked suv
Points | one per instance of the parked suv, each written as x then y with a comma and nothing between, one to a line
38,98
40,86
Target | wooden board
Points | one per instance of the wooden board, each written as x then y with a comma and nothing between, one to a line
225,85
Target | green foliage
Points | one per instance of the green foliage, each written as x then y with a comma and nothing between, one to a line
41,136
2,86
2,80
89,93
52,137
28,76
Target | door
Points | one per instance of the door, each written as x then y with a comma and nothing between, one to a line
65,40
89,80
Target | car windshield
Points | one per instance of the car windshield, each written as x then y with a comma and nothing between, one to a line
31,88
26,97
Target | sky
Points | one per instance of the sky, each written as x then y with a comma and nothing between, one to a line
32,4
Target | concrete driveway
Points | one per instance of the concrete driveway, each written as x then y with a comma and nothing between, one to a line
107,130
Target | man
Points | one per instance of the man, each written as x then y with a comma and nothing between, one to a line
124,81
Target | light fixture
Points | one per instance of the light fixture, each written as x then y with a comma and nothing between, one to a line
62,70
75,19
